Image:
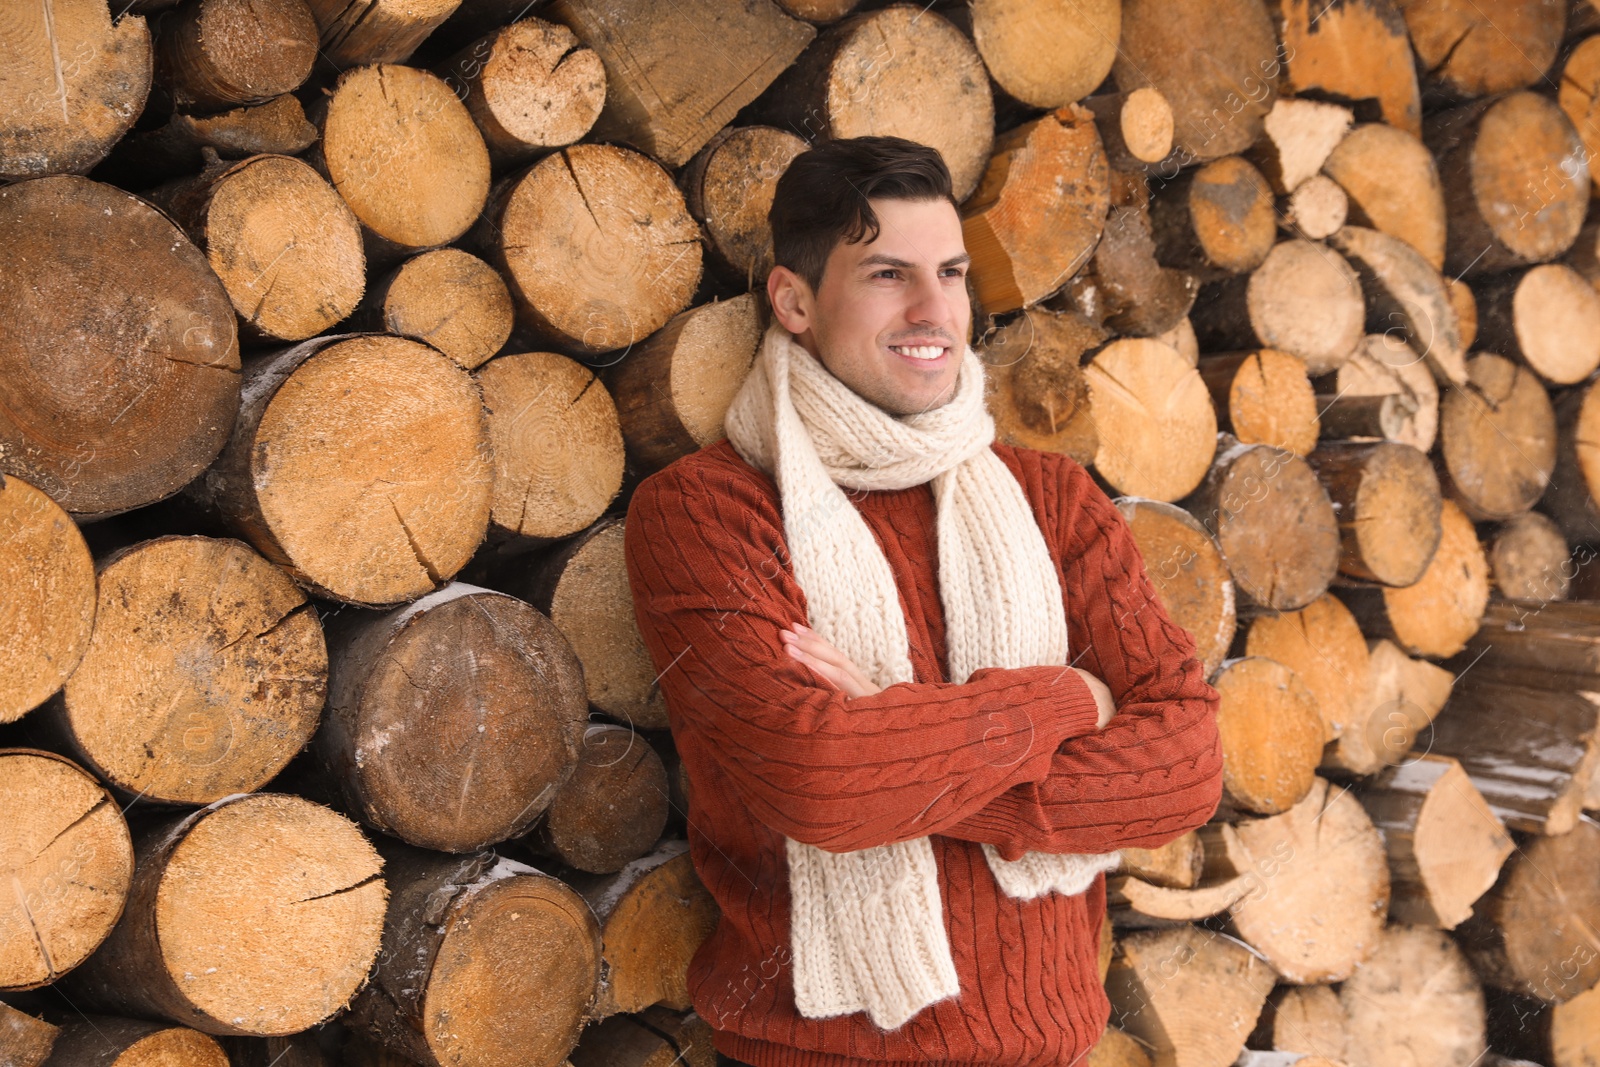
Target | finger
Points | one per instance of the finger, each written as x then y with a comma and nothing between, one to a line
828,671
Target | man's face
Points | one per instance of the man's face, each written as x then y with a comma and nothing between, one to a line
891,317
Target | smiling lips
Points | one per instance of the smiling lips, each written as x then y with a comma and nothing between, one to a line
927,352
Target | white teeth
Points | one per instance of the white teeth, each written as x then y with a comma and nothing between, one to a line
920,351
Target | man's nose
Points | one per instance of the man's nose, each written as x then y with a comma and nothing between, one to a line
930,303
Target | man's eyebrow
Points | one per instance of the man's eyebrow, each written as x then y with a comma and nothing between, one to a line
881,259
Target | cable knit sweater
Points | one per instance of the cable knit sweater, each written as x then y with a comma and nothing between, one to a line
1011,758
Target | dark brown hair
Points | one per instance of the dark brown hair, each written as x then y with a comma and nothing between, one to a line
822,198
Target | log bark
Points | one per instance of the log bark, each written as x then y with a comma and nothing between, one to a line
656,102
1359,53
409,420
107,1041
1272,735
1393,184
485,960
1037,388
1406,297
729,186
277,127
1529,559
1541,646
446,298
1405,697
217,54
557,445
1125,287
67,857
1445,845
1214,220
1413,974
206,673
613,808
119,372
48,612
1384,391
1186,567
672,391
654,1037
304,888
451,721
1263,397
358,32
1388,500
627,260
1547,317
1466,52
1497,440
1323,645
24,1040
1083,43
73,83
1155,423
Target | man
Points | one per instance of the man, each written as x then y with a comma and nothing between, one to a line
920,682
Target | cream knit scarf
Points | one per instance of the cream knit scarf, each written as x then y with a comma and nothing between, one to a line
867,927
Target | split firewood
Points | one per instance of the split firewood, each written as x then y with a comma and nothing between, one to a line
1388,498
583,587
1575,483
668,108
283,243
1466,306
1577,91
212,55
1530,933
1405,297
1116,1049
654,914
1515,179
73,83
447,298
1182,339
729,186
1393,185
818,11
25,1041
1036,387
1467,52
1414,974
869,75
627,258
451,721
1444,842
1297,137
1384,391
1263,397
1216,220
1273,521
485,960
1548,317
1497,439
673,389
1307,1019
1136,903
1272,735
613,808
1186,567
1359,53
1135,127
1436,614
1156,427
655,1037
356,32
277,127
1558,1034
1315,210
529,86
206,672
1039,210
48,612
301,879
1529,559
107,1041
409,421
404,153
132,369
1304,299
67,858
1083,42
557,444
1125,287
1405,697
1322,644
1178,864
1217,62
1198,1011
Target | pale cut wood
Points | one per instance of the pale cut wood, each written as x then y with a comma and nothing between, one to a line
1414,998
67,859
1497,439
73,83
654,914
1216,219
1388,500
1405,697
1470,51
48,611
216,54
613,808
1263,397
1037,389
1577,90
1307,1020
729,187
627,258
452,720
355,32
1137,901
1156,426
485,961
1272,734
1181,338
1186,568
1135,127
1178,864
1384,391
672,391
1083,42
25,1041
1435,615
1196,1014
205,674
1575,483
1466,306
119,358
818,10
277,127
446,298
303,893
107,1041
1547,317
360,464
1316,209
1116,1049
1393,185
1529,559
557,444
1038,211
1297,136
1406,297
1358,52
1322,644
657,102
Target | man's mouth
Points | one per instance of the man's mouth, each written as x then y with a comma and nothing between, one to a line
926,353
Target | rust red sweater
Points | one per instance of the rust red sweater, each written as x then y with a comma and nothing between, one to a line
1010,757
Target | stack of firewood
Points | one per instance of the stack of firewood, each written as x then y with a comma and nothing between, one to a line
336,333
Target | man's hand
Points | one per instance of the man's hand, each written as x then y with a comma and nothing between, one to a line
1102,696
810,648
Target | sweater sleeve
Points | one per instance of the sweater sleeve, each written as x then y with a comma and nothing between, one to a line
712,588
1155,771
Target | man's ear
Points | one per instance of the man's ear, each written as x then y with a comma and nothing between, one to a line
790,299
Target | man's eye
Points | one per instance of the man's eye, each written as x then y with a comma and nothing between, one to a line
888,270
